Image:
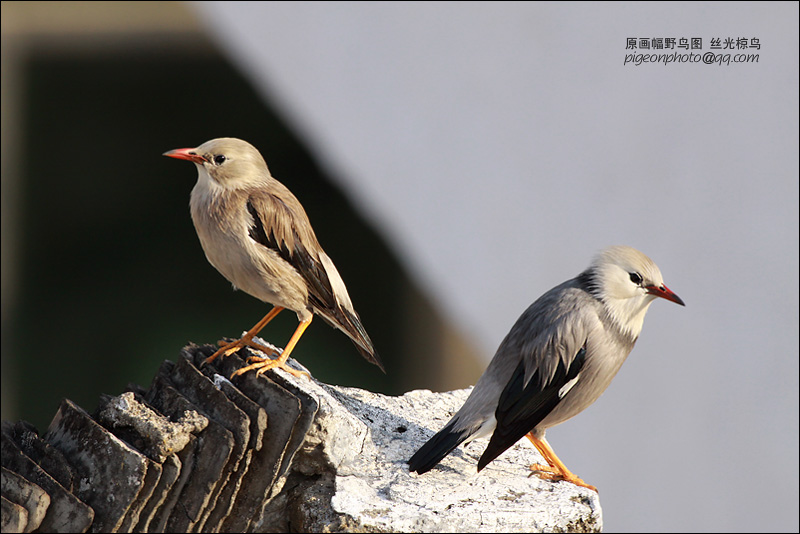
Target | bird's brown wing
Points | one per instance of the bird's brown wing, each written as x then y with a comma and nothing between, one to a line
281,224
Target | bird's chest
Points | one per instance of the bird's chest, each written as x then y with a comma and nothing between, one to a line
604,358
253,268
225,241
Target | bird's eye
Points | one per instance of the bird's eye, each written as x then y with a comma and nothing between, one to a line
636,278
219,160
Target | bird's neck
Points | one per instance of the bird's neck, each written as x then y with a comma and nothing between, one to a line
628,314
207,194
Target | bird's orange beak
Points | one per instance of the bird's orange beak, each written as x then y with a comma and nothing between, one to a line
665,293
187,154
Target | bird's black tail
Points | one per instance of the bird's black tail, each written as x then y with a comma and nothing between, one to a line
436,448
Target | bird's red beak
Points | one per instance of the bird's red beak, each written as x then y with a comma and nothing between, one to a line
665,293
185,153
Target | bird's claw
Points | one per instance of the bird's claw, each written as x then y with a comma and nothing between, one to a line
255,359
263,365
229,347
546,472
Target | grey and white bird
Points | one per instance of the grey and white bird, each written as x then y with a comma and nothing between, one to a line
256,233
558,358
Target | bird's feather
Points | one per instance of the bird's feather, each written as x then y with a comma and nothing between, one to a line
268,211
523,404
284,237
437,448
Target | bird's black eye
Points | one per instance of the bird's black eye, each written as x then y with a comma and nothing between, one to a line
636,278
219,160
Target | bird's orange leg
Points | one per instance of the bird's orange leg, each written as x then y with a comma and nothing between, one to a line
556,470
226,349
264,364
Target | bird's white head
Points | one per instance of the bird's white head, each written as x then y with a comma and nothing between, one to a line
627,282
228,162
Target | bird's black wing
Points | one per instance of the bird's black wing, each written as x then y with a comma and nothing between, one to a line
523,405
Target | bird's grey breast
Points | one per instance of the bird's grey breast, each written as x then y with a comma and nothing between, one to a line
607,347
546,341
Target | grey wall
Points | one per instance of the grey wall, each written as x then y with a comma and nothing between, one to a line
499,146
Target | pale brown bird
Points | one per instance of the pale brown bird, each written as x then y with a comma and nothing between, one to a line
258,236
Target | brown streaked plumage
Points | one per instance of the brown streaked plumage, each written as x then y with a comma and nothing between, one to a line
256,233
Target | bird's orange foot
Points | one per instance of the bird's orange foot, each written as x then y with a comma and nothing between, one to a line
546,472
265,364
228,348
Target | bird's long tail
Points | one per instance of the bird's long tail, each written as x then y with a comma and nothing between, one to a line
437,448
348,322
361,339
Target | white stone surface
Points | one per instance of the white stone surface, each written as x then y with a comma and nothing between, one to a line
367,439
